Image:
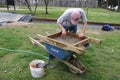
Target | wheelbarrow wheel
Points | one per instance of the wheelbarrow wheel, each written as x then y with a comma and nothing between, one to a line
77,63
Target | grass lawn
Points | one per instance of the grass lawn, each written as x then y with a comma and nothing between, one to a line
93,14
102,60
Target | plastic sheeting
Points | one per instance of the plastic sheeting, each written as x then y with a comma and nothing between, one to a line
26,18
13,17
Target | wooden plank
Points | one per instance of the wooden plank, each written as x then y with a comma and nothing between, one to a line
62,45
36,42
95,40
80,43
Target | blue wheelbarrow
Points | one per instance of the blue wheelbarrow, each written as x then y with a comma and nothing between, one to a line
65,50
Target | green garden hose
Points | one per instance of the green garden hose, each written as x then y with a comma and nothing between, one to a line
22,51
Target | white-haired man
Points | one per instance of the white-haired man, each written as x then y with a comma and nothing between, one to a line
70,18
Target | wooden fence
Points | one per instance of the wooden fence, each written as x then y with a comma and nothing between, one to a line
61,3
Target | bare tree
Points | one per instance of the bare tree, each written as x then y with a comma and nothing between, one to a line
35,7
46,6
27,4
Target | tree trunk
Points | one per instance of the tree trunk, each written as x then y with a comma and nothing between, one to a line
119,8
118,5
28,5
35,7
46,5
46,10
107,4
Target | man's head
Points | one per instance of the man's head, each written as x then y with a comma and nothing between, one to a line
75,16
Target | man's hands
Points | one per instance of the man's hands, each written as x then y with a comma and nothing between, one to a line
81,35
63,30
63,33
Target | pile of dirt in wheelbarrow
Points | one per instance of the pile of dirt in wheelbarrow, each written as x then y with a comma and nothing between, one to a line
67,39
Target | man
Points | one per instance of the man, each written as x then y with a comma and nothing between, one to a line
69,19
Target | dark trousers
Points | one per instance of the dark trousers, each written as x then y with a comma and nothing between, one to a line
72,29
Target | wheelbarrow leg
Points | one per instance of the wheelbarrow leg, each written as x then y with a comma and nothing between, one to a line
50,62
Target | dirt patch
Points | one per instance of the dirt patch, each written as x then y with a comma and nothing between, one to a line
19,24
96,31
67,39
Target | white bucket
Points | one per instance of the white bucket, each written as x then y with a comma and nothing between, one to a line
36,71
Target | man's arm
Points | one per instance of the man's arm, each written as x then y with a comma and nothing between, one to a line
60,20
84,22
82,33
62,28
84,27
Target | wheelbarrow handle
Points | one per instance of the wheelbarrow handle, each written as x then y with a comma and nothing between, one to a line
36,42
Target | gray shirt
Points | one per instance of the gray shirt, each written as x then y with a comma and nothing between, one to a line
65,18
